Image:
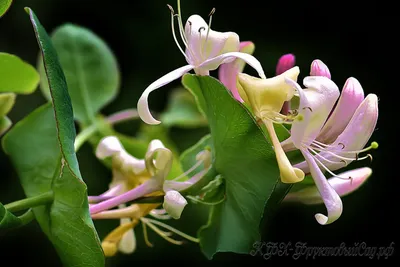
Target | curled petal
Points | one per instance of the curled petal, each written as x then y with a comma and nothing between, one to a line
318,68
213,63
143,105
351,97
174,203
330,197
343,187
108,146
158,160
285,63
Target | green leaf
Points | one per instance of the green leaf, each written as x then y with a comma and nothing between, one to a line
7,101
247,163
41,167
16,75
50,163
4,6
90,68
182,111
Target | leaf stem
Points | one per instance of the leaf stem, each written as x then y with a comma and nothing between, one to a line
30,202
115,118
27,217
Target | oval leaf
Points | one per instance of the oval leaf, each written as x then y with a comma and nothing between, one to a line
247,163
90,68
7,101
4,6
16,75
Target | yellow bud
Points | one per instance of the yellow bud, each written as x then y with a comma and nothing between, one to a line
266,96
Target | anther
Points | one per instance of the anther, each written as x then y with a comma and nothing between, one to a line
343,146
202,28
171,9
212,12
308,108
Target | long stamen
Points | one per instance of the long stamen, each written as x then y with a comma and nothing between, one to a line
208,30
322,157
329,171
176,231
173,31
182,30
197,164
159,216
345,158
161,233
145,235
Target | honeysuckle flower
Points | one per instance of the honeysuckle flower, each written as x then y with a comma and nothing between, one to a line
343,187
157,164
265,98
316,102
228,72
350,98
205,50
133,178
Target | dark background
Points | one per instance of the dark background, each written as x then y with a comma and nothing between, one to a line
353,40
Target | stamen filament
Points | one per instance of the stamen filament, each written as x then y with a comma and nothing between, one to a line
341,157
145,235
197,164
322,157
329,171
173,31
161,233
159,216
208,30
176,231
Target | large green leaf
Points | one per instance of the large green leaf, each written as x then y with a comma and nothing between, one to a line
182,111
245,160
41,147
90,68
4,6
16,75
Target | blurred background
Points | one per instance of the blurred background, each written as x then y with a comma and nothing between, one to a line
349,40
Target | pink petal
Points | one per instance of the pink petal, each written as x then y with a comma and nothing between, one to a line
318,68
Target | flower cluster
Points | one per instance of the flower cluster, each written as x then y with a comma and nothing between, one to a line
328,127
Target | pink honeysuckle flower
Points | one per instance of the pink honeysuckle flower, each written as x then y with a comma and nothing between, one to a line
315,106
343,187
205,51
228,72
350,98
351,140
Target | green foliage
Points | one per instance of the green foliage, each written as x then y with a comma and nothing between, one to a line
90,69
246,161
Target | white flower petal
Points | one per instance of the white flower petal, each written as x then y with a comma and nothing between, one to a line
143,105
